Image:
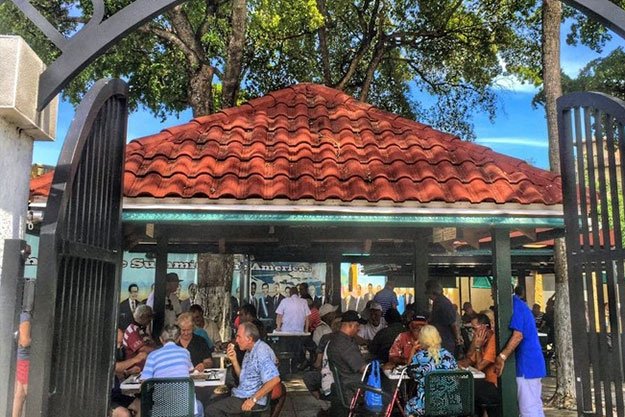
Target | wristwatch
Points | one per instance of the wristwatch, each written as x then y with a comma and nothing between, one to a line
253,399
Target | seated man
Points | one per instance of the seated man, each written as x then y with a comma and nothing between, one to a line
406,344
327,313
381,344
482,355
258,375
374,324
170,361
344,353
136,337
196,345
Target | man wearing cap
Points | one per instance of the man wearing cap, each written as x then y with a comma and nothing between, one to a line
406,344
327,312
344,353
373,325
172,304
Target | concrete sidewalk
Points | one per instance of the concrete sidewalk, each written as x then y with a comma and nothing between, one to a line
300,403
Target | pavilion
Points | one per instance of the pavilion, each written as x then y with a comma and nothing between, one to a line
310,174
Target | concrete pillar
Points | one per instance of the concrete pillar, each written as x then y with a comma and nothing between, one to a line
20,125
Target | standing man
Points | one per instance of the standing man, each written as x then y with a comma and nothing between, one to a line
292,314
257,374
192,299
530,364
172,304
265,304
312,291
128,307
387,297
324,295
443,315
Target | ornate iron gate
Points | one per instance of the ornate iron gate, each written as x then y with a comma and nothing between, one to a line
592,153
79,267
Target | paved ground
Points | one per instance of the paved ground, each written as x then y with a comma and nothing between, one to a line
300,403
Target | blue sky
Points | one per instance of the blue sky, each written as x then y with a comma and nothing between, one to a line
518,130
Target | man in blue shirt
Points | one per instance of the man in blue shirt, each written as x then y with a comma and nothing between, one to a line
387,297
258,374
170,361
530,364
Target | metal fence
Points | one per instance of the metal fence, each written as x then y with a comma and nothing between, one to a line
592,152
75,309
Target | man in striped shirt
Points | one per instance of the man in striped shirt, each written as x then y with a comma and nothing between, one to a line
387,297
170,361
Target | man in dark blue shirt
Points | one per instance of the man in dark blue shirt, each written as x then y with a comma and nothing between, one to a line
530,364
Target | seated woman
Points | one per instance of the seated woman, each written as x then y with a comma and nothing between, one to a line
432,357
406,344
196,345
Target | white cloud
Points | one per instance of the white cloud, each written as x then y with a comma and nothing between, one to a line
533,142
512,83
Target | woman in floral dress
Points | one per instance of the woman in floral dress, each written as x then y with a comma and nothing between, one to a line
431,357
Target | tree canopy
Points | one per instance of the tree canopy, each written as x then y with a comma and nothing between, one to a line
434,61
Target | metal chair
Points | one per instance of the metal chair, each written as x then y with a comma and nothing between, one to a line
449,393
354,407
168,397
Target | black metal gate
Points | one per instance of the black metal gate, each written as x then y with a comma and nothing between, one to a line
77,288
592,153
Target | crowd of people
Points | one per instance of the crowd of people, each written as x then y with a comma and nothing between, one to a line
437,339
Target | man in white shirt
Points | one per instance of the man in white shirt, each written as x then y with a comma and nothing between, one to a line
375,323
172,304
292,315
327,312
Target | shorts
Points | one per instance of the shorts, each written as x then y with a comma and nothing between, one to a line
21,373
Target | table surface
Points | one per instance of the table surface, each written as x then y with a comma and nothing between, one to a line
133,382
541,334
274,334
395,373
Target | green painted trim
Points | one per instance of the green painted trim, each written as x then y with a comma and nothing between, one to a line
337,218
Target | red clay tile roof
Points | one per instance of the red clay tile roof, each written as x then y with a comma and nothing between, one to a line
313,142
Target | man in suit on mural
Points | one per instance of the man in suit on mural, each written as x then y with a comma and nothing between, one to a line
128,307
370,294
265,302
358,301
276,298
253,300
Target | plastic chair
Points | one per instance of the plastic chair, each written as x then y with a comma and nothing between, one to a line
353,407
168,397
449,393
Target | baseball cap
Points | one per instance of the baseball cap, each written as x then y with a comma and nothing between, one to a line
375,306
173,277
351,315
327,308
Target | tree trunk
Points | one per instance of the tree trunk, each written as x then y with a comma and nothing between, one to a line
201,91
323,44
234,58
214,285
564,396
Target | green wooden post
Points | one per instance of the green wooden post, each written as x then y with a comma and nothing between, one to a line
502,271
420,271
160,286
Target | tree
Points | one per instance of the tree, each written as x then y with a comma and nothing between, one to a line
209,54
564,396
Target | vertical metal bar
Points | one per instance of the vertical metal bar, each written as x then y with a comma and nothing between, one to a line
502,268
11,290
614,269
600,223
160,285
620,266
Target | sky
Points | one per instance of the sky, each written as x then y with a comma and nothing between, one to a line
519,130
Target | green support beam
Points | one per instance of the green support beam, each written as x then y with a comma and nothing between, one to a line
160,286
502,269
420,272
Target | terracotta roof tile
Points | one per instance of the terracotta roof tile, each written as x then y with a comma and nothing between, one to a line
312,142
